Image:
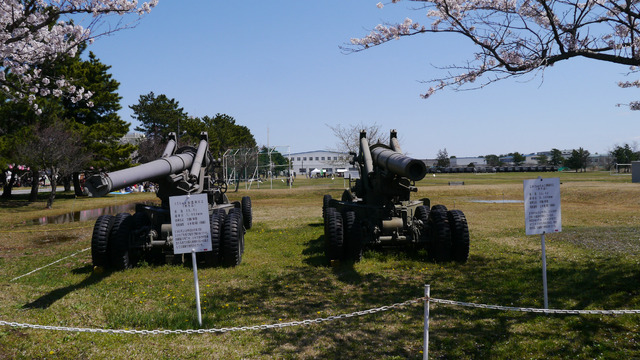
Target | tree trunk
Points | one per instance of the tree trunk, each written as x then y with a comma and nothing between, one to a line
77,188
54,183
6,189
35,184
66,181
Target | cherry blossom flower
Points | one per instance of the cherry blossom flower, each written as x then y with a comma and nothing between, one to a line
36,31
518,37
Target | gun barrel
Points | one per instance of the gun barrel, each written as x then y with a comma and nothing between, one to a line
200,155
104,183
398,164
365,153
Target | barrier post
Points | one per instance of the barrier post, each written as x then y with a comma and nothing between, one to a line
425,349
544,272
197,287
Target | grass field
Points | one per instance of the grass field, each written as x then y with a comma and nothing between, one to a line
594,263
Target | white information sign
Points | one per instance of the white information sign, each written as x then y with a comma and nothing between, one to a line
190,223
542,206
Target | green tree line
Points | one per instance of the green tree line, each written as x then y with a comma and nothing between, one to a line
62,137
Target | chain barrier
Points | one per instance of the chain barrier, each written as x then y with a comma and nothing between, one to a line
535,310
214,330
317,320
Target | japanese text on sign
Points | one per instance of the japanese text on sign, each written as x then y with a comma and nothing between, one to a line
190,223
542,206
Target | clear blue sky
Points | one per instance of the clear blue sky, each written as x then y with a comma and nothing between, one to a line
276,67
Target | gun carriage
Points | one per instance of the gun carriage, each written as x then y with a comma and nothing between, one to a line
378,212
122,240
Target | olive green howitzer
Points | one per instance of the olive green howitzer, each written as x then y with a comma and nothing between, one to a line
121,241
377,211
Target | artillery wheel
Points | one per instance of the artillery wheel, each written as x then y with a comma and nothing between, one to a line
441,208
459,236
247,212
119,242
242,229
422,214
100,240
352,241
140,230
334,236
439,248
326,217
233,239
216,222
325,205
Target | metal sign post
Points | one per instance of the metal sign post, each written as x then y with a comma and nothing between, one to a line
197,287
544,272
425,340
191,232
542,215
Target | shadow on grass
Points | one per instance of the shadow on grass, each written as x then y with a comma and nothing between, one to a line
310,289
45,301
458,332
22,200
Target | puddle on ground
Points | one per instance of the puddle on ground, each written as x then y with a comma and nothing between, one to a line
83,215
498,201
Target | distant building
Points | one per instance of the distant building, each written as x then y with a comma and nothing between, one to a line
133,138
467,161
321,163
430,162
602,161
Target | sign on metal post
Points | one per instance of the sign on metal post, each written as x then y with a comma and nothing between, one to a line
542,206
542,215
191,231
190,223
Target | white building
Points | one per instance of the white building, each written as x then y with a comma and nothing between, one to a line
320,162
132,138
467,161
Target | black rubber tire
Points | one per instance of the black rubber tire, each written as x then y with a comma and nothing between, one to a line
325,205
119,258
216,223
247,212
459,236
441,208
233,243
239,211
326,217
439,248
100,240
351,238
422,214
334,236
141,221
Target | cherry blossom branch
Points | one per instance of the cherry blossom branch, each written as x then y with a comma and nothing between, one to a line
516,37
34,32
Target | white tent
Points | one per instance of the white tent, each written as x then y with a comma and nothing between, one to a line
315,171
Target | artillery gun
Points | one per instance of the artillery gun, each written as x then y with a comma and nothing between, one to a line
378,212
120,241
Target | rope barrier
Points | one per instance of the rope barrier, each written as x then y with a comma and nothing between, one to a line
57,261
